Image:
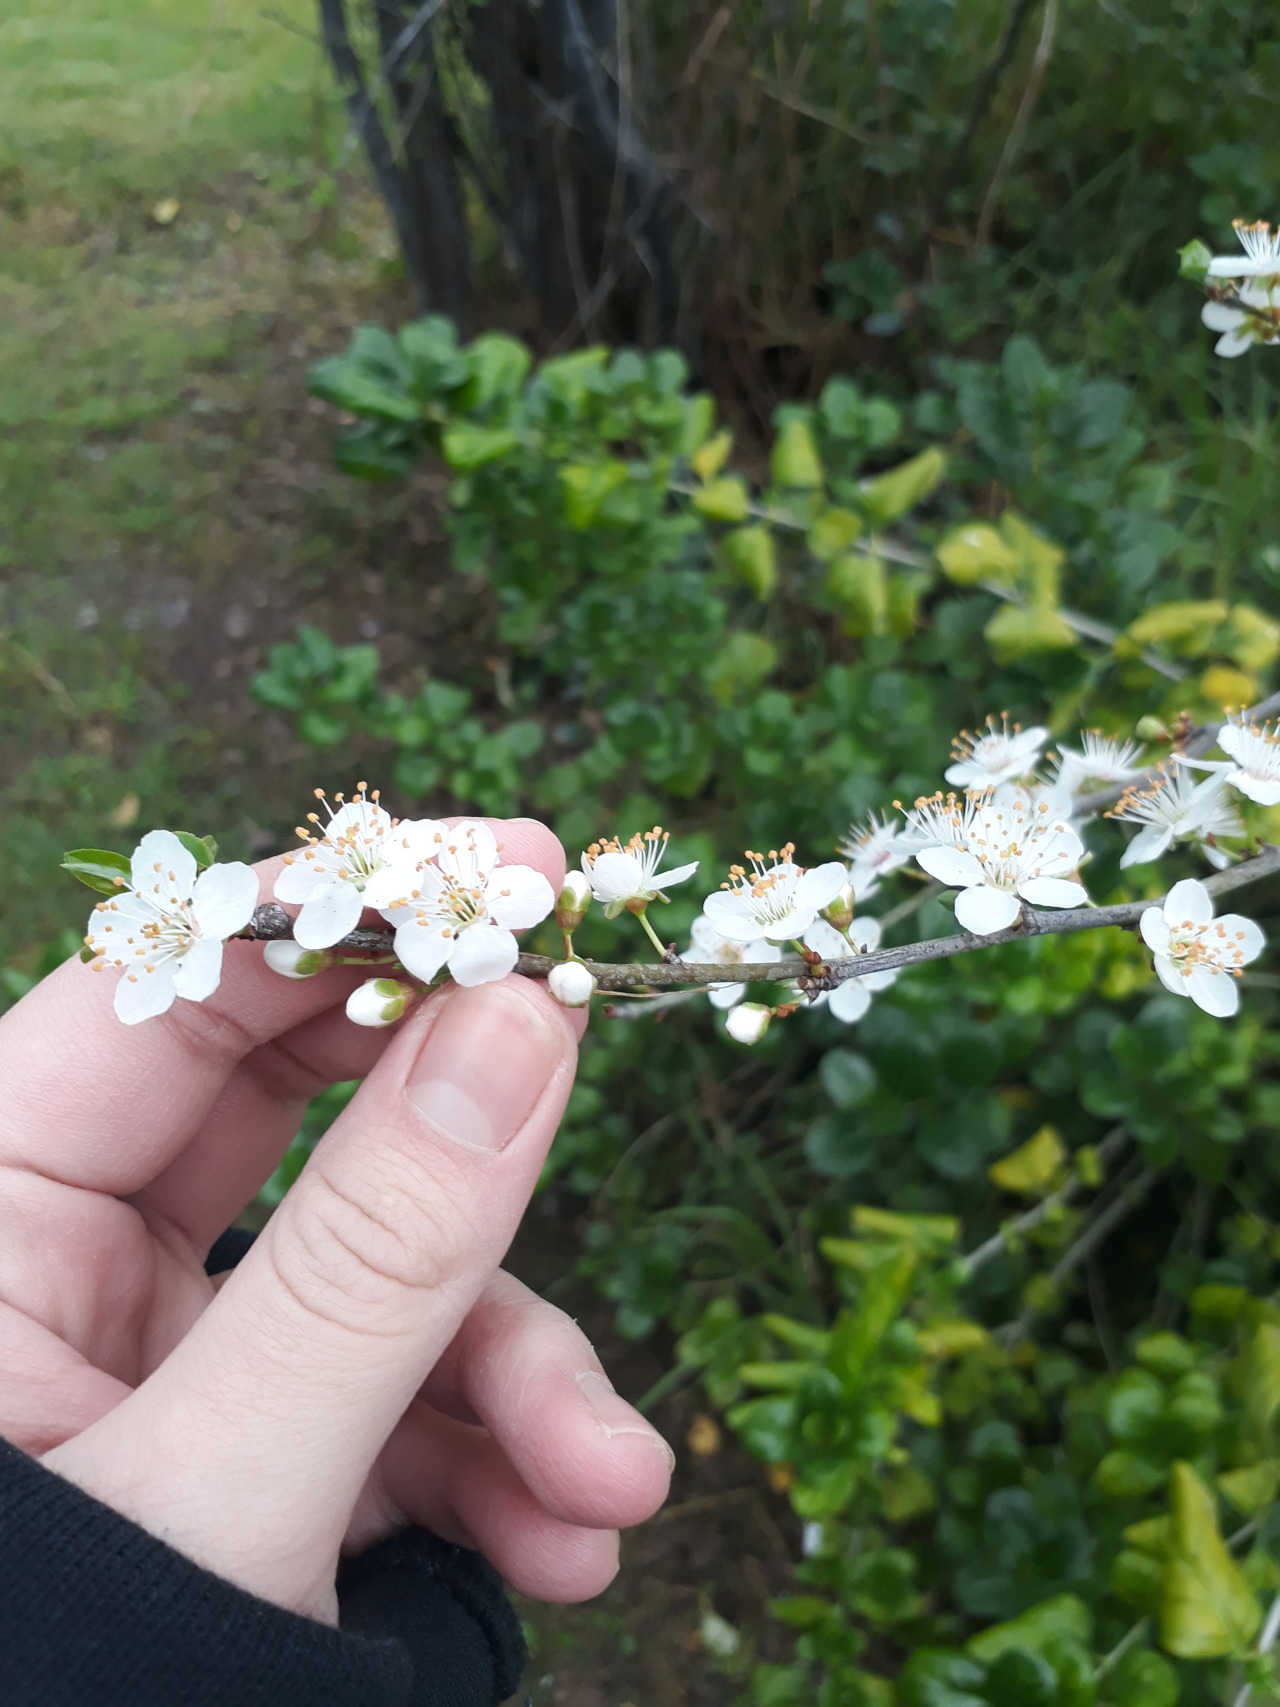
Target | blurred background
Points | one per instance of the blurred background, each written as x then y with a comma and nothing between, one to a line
635,413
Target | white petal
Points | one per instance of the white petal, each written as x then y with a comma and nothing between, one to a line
1265,790
301,878
470,852
1218,858
825,939
850,1000
481,954
423,948
615,877
726,995
176,876
1188,903
518,896
329,916
144,995
1221,317
954,866
197,973
414,840
1147,845
880,980
705,940
1243,934
730,915
865,934
1171,975
677,874
793,923
1216,992
224,899
1233,344
1155,931
1053,892
820,886
984,910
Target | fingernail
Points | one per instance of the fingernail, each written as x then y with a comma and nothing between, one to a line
484,1065
615,1415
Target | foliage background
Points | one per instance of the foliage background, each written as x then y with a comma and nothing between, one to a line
565,602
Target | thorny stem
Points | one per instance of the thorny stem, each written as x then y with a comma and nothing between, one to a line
271,922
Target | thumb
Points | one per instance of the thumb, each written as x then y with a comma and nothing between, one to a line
249,1444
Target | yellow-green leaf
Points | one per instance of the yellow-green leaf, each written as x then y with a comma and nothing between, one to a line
1031,1169
1260,1386
891,495
1185,625
860,587
586,486
1151,1536
1206,1606
834,531
905,1492
795,461
1016,630
1221,685
749,553
1252,638
1039,559
1250,1490
976,552
709,458
934,1235
952,1339
723,500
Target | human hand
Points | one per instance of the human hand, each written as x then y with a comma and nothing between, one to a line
368,1365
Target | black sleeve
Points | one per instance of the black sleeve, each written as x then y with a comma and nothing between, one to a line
97,1612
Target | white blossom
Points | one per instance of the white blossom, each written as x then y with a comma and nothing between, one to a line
778,901
748,1023
1010,848
1003,754
709,948
1251,316
571,984
1261,256
851,999
330,875
1101,759
378,1001
625,876
1255,747
459,909
573,901
873,851
935,821
167,927
1197,955
1176,808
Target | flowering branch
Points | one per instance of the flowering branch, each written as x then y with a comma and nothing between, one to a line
272,923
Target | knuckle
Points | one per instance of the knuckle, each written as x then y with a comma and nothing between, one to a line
364,1247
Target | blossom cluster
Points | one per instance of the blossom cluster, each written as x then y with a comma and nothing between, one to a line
1245,310
1006,837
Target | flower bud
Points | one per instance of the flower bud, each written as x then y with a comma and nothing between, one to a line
575,898
1153,729
291,960
840,911
378,1001
748,1022
571,984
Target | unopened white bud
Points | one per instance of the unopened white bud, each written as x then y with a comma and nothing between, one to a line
571,984
840,911
748,1022
379,1001
575,898
291,960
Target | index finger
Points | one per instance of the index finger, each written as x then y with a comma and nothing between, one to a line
104,1106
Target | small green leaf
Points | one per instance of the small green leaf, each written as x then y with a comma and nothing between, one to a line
203,849
749,553
467,447
976,552
1207,1608
902,488
1193,261
795,461
723,500
98,868
1033,1167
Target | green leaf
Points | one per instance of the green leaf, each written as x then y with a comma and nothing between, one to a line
848,1078
834,531
374,453
352,387
1138,1580
740,666
1193,261
931,1235
98,869
1166,1354
891,495
497,366
976,552
795,461
1207,1608
203,849
1064,1617
466,446
749,554
1127,1475
709,458
1250,1490
723,500
1016,631
1032,1169
1144,1679
586,486
1260,1385
859,586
